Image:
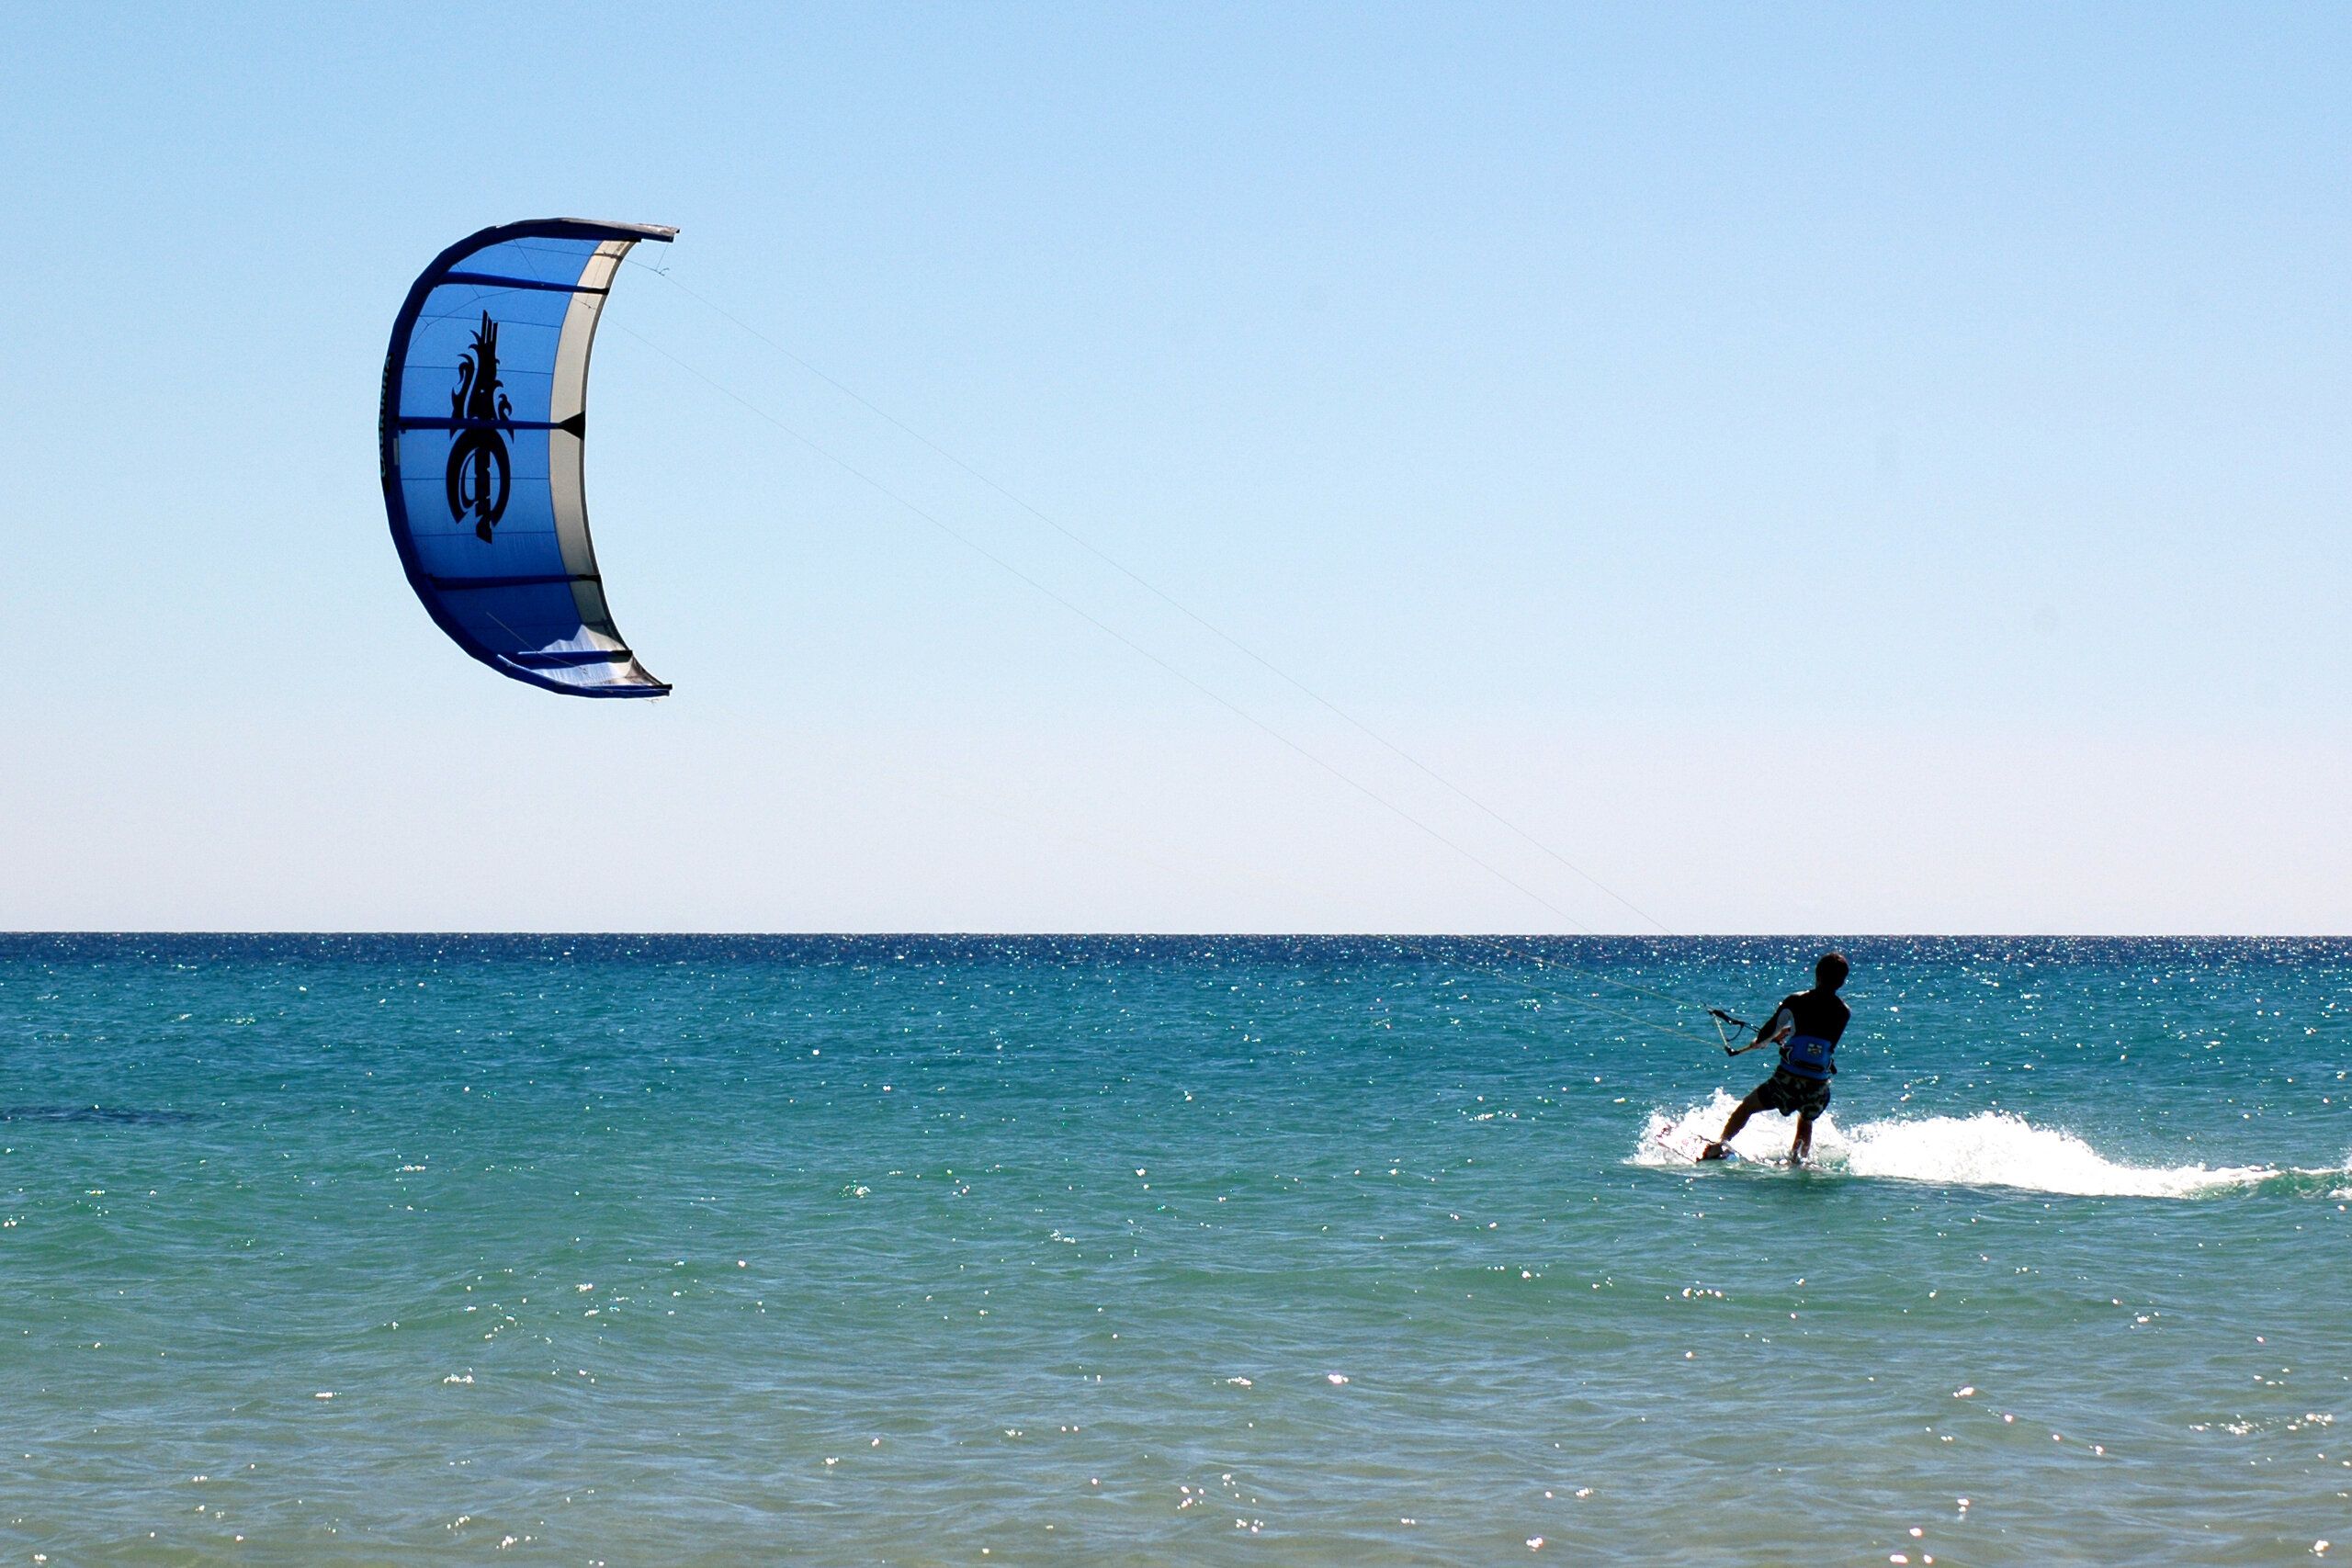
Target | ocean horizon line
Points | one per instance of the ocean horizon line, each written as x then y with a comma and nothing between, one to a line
976,934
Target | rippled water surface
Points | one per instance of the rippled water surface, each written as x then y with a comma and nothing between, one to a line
1110,1250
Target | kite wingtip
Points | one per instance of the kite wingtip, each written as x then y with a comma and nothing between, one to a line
662,231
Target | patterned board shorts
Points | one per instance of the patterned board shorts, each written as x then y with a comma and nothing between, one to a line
1792,1095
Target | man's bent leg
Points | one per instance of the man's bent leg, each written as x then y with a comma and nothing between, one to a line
1802,1150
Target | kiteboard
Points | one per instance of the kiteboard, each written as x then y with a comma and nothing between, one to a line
1731,1156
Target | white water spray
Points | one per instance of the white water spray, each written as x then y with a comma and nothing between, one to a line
1992,1148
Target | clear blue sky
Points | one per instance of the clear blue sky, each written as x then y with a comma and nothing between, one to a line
1839,469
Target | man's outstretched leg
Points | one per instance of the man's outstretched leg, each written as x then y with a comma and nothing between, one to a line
1746,1108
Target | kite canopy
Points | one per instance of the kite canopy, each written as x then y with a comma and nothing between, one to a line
482,433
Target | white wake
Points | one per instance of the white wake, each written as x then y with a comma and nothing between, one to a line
1992,1148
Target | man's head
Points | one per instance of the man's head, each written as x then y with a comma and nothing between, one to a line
1829,971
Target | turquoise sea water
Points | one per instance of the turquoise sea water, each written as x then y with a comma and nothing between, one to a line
1106,1250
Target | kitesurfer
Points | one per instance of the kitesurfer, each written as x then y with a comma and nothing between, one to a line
1805,1026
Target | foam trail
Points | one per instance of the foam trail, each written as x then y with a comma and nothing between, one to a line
1992,1148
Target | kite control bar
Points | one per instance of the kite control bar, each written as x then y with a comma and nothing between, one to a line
1723,1017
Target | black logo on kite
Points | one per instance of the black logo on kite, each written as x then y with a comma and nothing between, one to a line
480,446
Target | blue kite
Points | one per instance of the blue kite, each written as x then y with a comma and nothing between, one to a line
481,433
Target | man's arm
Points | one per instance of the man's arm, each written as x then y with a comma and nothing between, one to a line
1779,1027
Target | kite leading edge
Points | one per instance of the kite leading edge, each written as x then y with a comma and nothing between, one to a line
481,438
